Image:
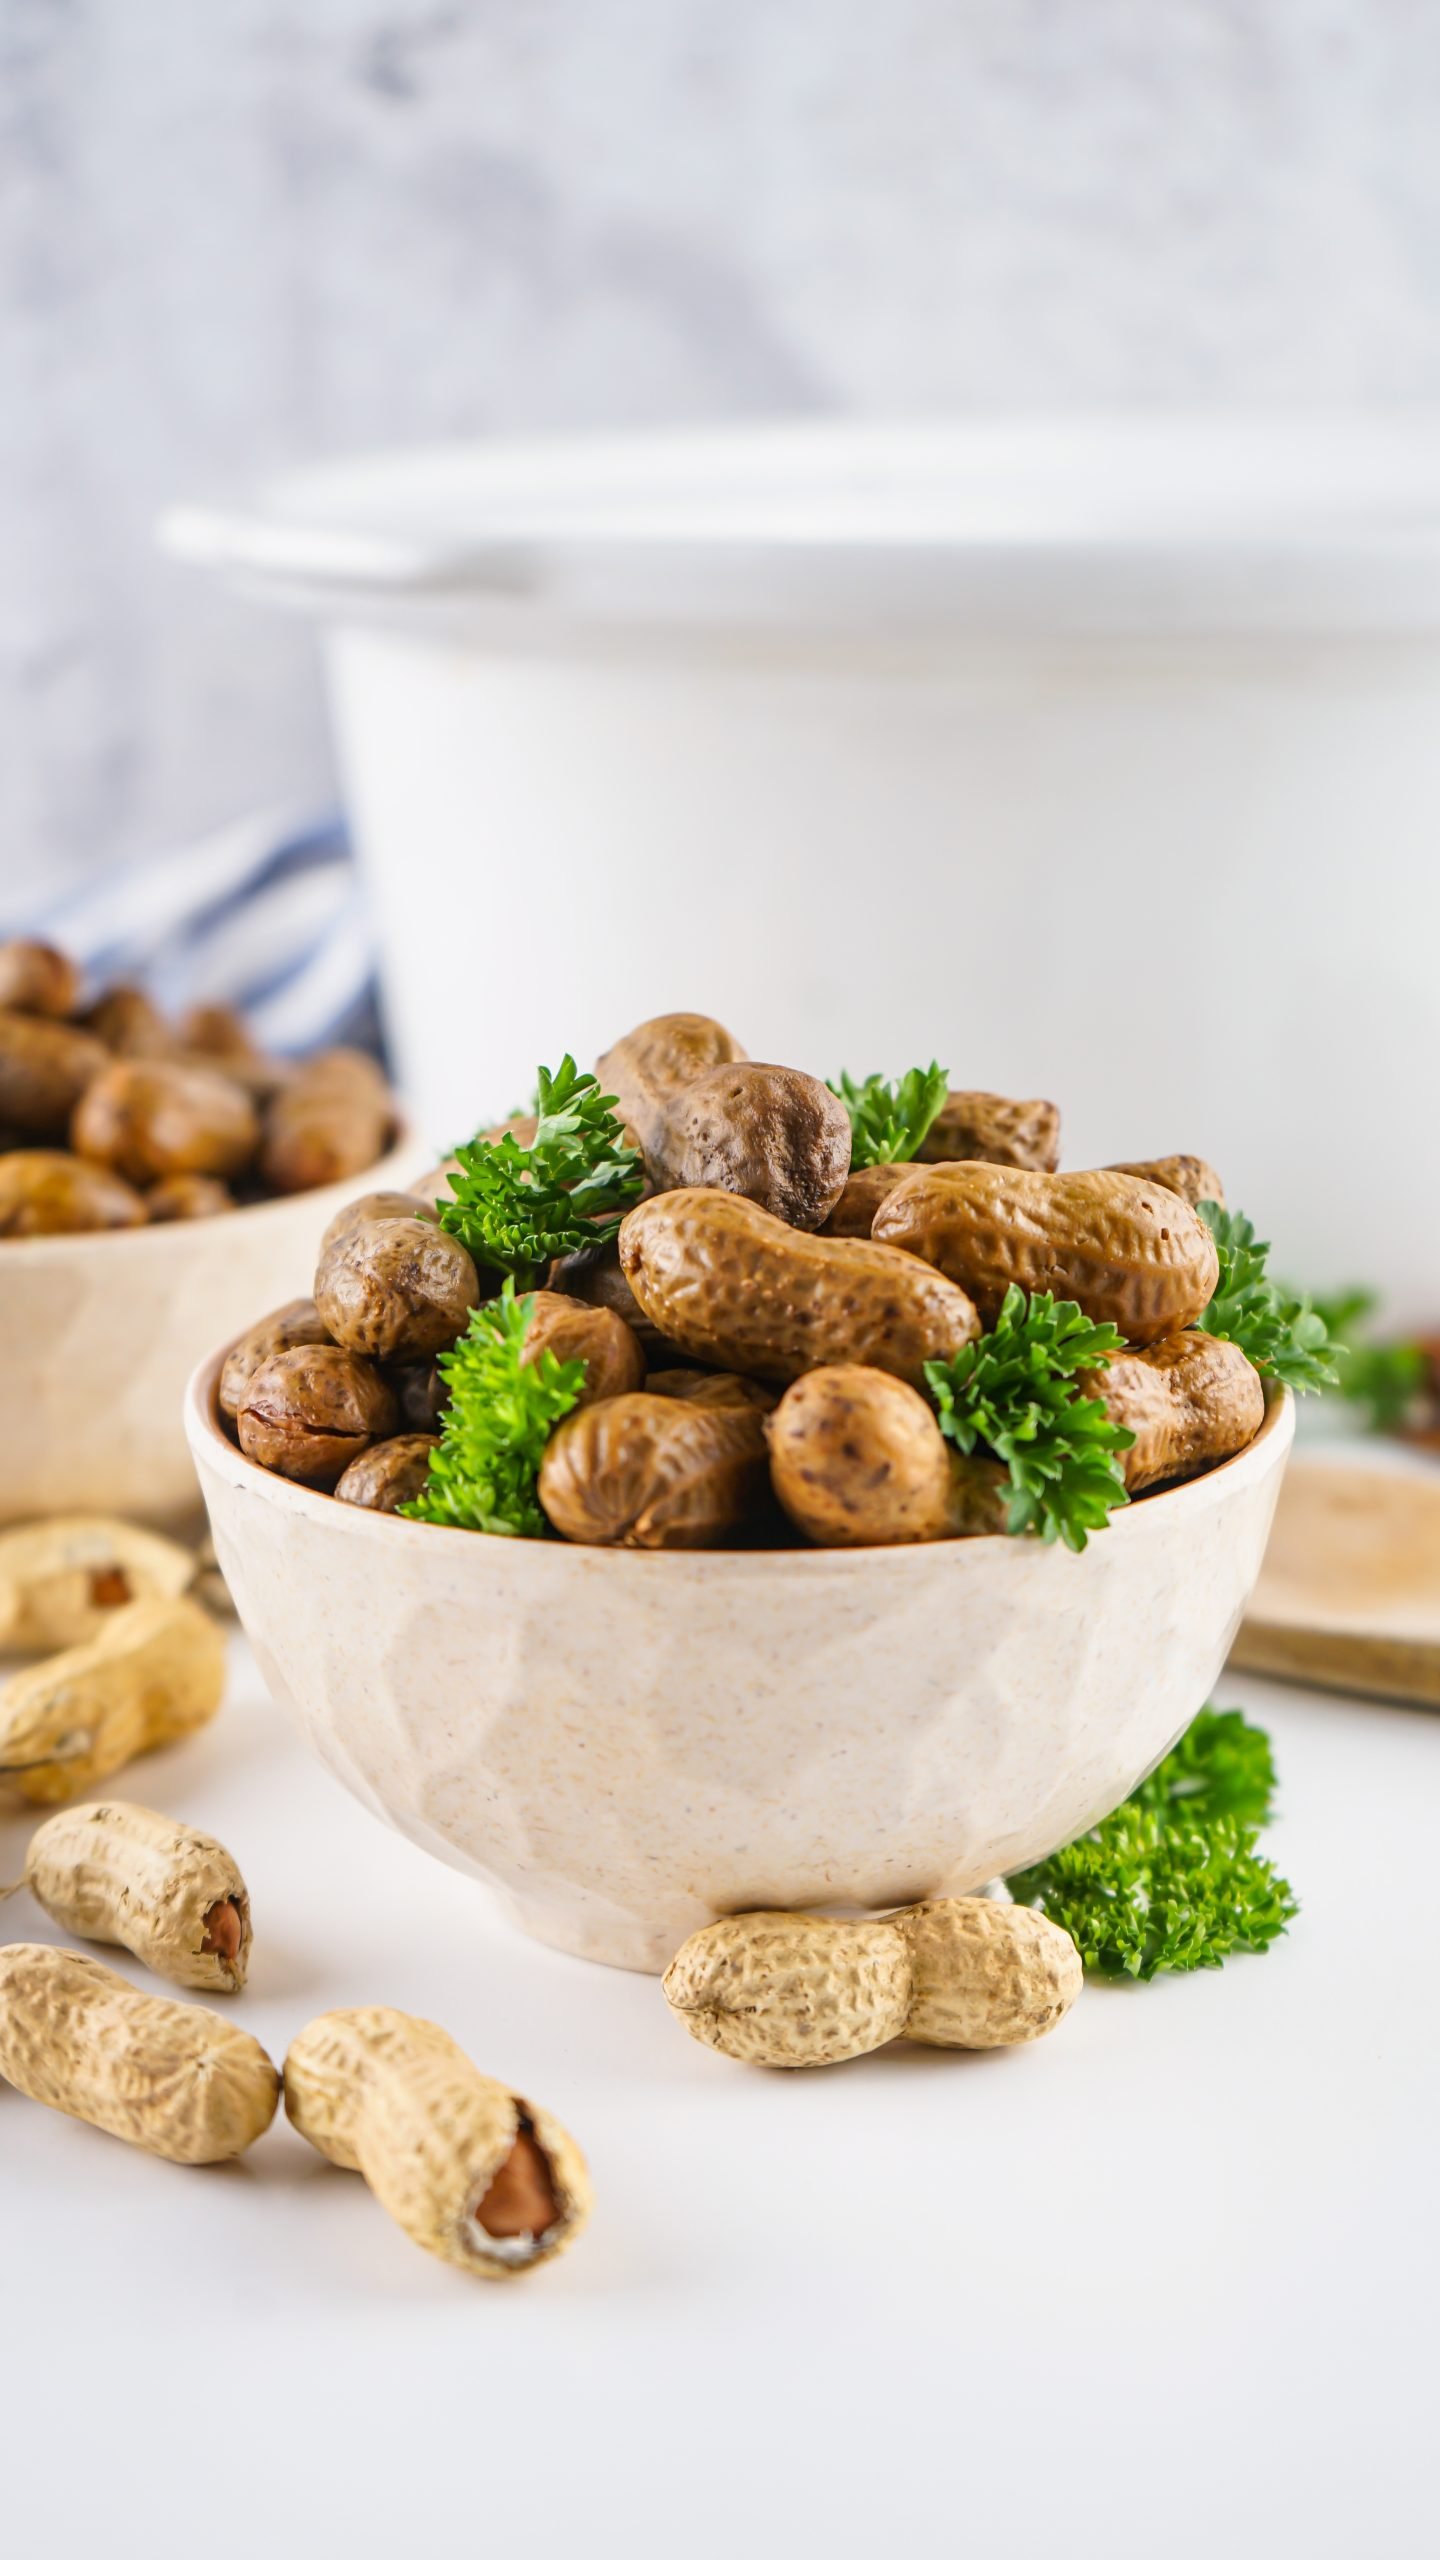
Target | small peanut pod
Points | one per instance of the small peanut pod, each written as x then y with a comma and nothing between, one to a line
147,1118
182,1196
594,1277
330,1121
1191,1176
155,1673
614,1361
653,1471
178,2081
397,1288
469,2171
36,978
712,1387
988,1128
776,1136
857,1459
1190,1399
653,1063
394,1471
293,1327
731,1285
62,1580
793,1989
1130,1253
135,1879
129,1024
305,1413
869,1184
46,1192
44,1069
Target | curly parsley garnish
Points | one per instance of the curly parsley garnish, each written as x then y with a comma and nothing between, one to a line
493,1431
889,1123
514,1208
1387,1380
1013,1394
1172,1881
1282,1336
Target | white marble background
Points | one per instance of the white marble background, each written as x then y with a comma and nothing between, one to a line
237,232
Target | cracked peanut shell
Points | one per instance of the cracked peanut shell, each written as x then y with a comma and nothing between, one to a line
127,1877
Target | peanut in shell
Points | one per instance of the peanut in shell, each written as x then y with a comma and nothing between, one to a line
857,1459
1191,1176
62,1580
654,1471
155,1673
127,1877
988,1128
1190,1399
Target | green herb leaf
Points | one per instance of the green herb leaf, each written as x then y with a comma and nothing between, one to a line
1171,1881
494,1429
1282,1336
889,1123
516,1207
1386,1379
1013,1393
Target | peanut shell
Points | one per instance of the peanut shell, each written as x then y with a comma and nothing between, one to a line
172,2079
988,1128
1190,1399
140,1880
986,1973
154,1673
790,1989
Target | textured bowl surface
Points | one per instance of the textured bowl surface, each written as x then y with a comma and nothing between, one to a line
626,1746
98,1335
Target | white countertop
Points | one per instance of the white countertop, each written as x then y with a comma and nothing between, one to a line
1164,2284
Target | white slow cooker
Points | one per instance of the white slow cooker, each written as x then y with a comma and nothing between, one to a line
1098,759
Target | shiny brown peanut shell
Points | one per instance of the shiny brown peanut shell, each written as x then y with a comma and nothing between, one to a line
647,1471
988,1128
770,1133
1190,1176
654,1062
1191,1400
45,1067
307,1413
857,1459
291,1328
614,1361
149,1117
392,1472
398,1288
45,1192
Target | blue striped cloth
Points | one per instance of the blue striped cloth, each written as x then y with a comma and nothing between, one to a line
268,915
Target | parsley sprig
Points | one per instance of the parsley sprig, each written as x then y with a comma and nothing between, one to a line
1283,1336
1172,1881
1013,1393
493,1431
1385,1379
514,1208
889,1123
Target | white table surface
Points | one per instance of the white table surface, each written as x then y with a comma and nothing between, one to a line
1166,2284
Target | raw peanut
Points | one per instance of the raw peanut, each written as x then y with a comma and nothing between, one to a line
792,1989
129,1024
178,2081
1191,1176
652,1064
711,1387
854,1211
769,1133
731,1285
595,1277
135,1879
45,1192
857,1459
155,1672
398,1288
651,1471
149,1117
373,1204
1130,1253
330,1121
62,1580
289,1329
182,1196
470,2172
394,1471
987,1128
1190,1400
614,1361
986,1973
306,1413
36,978
44,1069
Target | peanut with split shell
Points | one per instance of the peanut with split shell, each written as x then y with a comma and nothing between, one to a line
769,1133
1191,1176
307,1412
654,1062
471,2172
154,1673
173,1897
1130,1253
172,2079
857,1459
1191,1400
653,1471
988,1128
733,1286
792,1990
62,1580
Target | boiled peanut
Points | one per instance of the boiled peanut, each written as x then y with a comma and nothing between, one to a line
372,1204
45,1067
769,1133
330,1121
135,1879
857,1459
712,1387
62,1580
155,1672
394,1471
651,1471
470,2172
1130,1253
595,1277
732,1285
306,1413
398,1288
182,1196
175,2080
1191,1399
792,1989
869,1184
129,1024
289,1329
1191,1176
987,1128
218,1031
614,1361
150,1117
46,1192
36,978
652,1064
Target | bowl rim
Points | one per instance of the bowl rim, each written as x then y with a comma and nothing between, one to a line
333,1195
214,1450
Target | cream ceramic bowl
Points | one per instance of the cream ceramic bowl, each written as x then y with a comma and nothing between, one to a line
625,1746
98,1334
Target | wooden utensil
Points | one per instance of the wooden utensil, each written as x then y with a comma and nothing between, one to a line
1349,1596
